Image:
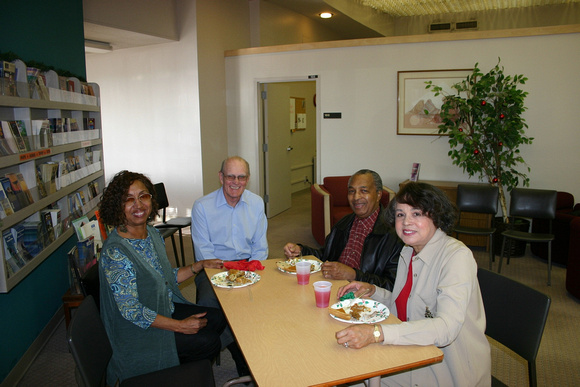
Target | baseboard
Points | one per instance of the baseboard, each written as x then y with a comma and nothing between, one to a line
33,351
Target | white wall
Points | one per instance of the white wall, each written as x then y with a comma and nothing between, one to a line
150,111
361,82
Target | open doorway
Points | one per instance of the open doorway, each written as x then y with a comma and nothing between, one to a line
288,134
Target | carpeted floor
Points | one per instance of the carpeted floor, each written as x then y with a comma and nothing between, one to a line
558,360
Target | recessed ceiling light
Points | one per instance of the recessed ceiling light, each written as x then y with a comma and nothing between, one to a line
326,15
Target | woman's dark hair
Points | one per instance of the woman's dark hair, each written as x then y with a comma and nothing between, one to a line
430,200
111,207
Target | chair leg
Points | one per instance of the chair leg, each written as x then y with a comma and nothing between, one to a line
491,253
501,255
550,263
181,245
509,251
175,250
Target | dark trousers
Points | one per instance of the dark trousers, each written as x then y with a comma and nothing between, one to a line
206,343
206,297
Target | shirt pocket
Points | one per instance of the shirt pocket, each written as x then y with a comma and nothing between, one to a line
425,306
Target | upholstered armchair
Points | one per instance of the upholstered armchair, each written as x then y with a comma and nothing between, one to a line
329,203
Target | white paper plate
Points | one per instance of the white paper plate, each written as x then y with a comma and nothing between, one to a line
285,266
221,281
377,313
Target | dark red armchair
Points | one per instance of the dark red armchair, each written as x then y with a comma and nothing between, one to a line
329,203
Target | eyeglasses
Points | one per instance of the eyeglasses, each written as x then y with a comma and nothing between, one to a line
241,178
144,198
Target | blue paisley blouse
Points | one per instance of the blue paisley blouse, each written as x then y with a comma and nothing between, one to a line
121,277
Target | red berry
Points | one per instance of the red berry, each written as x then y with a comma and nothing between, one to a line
500,143
461,129
502,116
495,179
483,103
476,151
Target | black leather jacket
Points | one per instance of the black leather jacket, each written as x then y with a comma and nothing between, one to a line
380,254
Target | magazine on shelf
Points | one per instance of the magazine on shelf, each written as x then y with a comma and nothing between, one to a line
78,223
23,186
10,251
21,196
91,229
8,81
74,126
40,184
55,220
5,204
415,172
47,229
11,248
5,148
43,92
18,231
86,254
17,136
49,173
10,140
33,237
7,186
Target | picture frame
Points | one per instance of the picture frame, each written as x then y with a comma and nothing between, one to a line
413,99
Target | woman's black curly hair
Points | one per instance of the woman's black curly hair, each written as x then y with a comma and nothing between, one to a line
112,205
430,200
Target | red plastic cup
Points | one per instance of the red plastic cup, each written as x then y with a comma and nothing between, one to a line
322,293
303,272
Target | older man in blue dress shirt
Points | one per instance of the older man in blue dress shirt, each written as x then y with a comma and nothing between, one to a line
228,224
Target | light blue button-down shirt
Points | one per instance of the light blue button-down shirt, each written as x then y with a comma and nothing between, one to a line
220,231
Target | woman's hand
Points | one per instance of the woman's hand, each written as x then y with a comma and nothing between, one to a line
338,271
358,288
212,264
292,250
356,336
192,324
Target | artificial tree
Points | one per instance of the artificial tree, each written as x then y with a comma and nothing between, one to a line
485,127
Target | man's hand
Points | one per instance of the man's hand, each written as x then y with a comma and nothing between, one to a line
292,250
338,271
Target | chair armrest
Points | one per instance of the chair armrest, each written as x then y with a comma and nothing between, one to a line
388,195
320,208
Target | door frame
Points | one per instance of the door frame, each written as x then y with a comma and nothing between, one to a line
260,127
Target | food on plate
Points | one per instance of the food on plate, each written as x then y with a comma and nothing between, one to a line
291,266
237,276
357,310
340,313
354,311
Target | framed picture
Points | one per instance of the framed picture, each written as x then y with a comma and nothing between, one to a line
414,99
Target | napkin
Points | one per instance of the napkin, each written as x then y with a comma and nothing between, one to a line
244,265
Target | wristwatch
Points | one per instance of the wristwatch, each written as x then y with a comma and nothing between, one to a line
377,333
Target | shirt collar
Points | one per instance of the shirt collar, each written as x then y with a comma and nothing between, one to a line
426,255
220,199
369,221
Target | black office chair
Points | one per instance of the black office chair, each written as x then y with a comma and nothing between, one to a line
91,350
169,232
516,315
480,199
530,203
168,224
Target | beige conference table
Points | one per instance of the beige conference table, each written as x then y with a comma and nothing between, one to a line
288,341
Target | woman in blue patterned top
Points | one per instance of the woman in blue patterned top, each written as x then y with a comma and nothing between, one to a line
150,324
